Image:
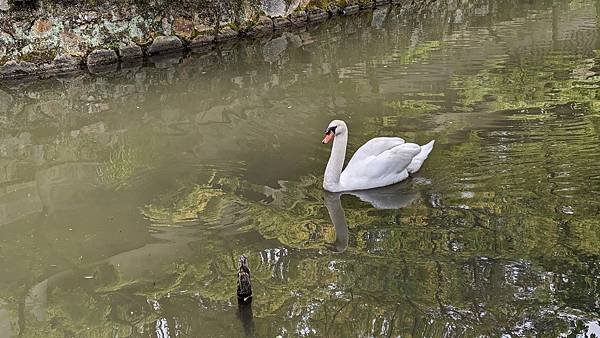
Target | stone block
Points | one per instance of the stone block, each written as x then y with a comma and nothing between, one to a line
183,28
17,68
226,33
202,41
280,24
350,10
263,27
63,64
130,52
317,15
299,19
102,57
163,44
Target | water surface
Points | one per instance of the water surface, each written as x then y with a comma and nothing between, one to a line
127,196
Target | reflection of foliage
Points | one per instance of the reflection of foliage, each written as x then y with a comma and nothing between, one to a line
119,167
412,106
76,314
185,208
484,252
286,214
419,53
531,83
408,108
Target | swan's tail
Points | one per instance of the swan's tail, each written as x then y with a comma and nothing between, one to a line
418,160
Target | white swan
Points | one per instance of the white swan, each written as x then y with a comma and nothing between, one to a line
379,162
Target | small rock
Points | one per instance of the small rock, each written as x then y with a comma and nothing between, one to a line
299,19
64,63
130,52
202,41
381,2
41,28
17,68
226,33
202,27
163,44
183,28
72,43
263,27
102,57
349,10
280,24
317,15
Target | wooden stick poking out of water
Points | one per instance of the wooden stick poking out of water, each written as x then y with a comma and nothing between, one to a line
244,287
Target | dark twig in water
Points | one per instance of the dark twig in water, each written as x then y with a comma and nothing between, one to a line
244,286
244,295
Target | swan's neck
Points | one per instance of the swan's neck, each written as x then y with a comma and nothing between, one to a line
333,171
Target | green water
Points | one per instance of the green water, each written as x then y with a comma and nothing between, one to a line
127,196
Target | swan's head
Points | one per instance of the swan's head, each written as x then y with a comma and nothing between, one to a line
335,128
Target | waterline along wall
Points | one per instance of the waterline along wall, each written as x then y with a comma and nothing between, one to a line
48,37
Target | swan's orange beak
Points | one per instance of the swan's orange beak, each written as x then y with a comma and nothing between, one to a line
328,137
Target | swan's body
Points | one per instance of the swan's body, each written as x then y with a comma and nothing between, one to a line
380,162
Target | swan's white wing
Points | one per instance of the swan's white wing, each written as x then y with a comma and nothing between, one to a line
384,169
418,160
375,147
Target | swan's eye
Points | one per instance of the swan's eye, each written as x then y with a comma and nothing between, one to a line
330,129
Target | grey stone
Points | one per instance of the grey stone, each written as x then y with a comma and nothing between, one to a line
299,19
275,8
162,44
64,63
263,27
317,15
280,24
130,52
381,2
102,57
349,10
17,68
225,34
202,41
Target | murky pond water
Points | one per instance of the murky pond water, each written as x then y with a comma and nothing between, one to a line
127,197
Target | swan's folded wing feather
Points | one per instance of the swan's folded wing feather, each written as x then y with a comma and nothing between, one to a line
389,162
374,147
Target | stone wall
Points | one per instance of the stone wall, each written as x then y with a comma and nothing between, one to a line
45,37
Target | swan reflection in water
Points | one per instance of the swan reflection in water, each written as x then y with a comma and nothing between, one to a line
391,197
